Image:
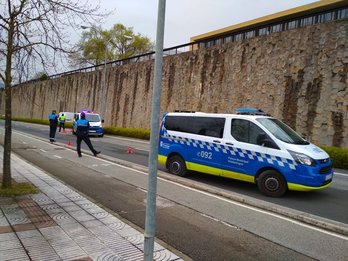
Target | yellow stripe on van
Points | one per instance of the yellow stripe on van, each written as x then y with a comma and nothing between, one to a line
211,170
162,160
297,187
239,176
203,168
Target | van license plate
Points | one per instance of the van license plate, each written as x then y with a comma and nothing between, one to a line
328,177
92,131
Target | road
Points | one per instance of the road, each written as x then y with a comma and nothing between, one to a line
328,203
193,215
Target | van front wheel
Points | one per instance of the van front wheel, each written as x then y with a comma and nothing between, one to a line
176,165
271,183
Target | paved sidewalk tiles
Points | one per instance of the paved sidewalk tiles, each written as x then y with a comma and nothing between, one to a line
61,224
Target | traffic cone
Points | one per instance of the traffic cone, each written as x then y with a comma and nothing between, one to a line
130,150
69,143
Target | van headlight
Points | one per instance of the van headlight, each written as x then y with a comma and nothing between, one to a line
302,158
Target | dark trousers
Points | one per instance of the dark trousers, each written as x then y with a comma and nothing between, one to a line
61,124
53,130
86,139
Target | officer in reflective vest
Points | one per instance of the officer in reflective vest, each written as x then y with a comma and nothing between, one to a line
61,122
53,125
82,134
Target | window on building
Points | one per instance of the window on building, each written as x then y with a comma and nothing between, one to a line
218,41
306,21
228,39
276,28
264,31
238,37
292,24
250,34
343,13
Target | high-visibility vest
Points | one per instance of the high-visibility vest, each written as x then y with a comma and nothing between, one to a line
62,118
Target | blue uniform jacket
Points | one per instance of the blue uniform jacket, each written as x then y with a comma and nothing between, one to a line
53,120
82,127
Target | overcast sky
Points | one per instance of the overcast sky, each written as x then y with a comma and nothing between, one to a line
187,18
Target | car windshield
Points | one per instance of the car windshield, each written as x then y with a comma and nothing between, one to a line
92,117
282,131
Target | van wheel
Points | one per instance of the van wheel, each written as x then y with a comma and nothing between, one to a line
271,183
176,165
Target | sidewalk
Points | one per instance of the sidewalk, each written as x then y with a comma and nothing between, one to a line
60,224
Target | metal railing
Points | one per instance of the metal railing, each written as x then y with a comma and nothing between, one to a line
134,59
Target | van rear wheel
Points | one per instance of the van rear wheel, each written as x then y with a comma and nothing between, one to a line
176,165
271,183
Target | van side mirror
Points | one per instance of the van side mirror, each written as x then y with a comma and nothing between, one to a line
102,120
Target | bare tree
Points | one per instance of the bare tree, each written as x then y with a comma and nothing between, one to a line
35,33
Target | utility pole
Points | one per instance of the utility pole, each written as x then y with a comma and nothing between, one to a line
150,221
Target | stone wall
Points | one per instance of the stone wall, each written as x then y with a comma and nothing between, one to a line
299,76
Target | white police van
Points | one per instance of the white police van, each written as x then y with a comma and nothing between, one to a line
95,123
249,146
69,116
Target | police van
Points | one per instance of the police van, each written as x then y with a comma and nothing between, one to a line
95,122
69,116
249,146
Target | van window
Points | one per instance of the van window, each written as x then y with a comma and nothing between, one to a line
206,126
92,117
282,131
249,132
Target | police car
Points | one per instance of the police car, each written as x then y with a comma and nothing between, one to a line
249,146
95,122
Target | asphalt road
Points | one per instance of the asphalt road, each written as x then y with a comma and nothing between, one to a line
202,225
330,203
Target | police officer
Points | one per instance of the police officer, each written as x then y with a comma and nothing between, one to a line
53,125
82,134
61,122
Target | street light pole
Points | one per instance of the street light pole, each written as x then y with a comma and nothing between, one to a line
150,220
102,98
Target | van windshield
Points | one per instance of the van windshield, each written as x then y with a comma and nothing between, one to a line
92,117
282,131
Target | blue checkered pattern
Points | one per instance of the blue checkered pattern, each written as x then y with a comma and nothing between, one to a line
242,153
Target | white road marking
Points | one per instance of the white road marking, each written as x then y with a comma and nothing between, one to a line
341,174
59,157
43,150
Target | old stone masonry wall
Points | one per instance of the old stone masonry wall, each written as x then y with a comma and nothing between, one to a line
299,76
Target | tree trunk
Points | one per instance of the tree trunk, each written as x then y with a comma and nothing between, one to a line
6,178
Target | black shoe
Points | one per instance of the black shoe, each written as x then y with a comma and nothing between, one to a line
96,153
80,155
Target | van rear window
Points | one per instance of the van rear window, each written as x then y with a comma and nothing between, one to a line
206,126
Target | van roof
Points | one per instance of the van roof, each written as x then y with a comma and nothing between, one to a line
223,115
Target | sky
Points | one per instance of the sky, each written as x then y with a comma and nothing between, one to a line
187,18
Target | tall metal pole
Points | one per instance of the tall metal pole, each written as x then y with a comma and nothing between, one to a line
103,90
150,221
103,98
